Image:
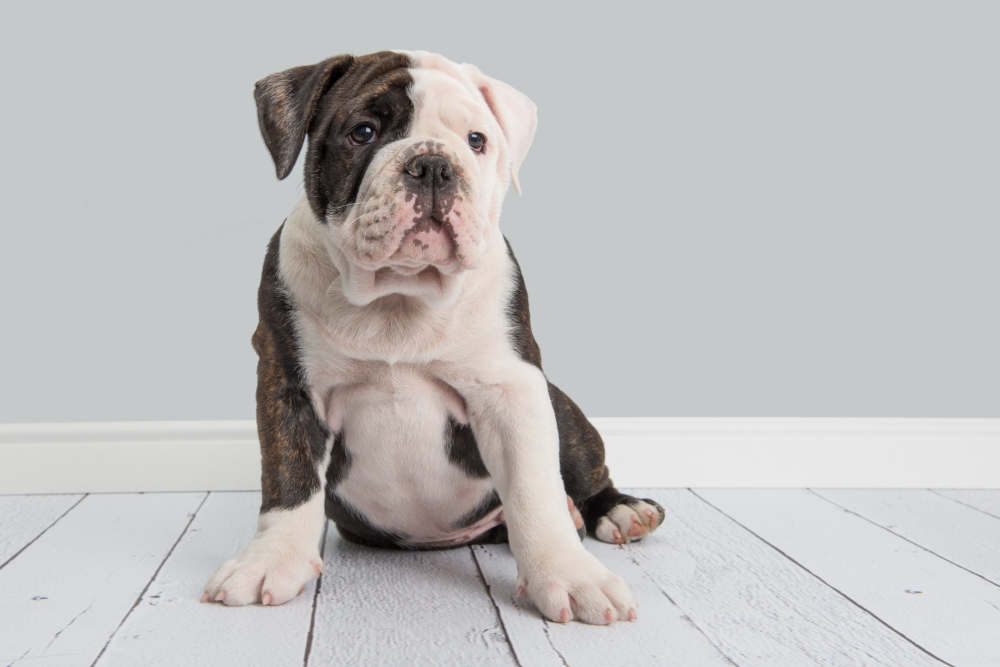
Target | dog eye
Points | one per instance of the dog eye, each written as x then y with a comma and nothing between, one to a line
362,133
477,141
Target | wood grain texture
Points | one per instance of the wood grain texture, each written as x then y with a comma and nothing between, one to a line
171,627
379,607
24,518
60,605
964,536
951,613
662,635
984,500
751,601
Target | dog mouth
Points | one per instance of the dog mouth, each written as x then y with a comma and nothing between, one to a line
426,242
427,276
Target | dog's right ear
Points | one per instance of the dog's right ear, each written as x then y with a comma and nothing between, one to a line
286,103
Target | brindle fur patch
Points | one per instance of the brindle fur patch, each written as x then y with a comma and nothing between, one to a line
581,449
292,437
324,102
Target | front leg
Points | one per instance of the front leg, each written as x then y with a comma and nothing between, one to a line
283,555
515,427
295,445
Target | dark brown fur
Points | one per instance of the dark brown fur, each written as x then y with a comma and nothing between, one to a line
324,102
581,449
292,437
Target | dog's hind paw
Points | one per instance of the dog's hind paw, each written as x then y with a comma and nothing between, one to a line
630,520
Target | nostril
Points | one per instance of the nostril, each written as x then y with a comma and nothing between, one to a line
434,168
415,168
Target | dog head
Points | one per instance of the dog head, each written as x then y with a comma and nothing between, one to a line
409,158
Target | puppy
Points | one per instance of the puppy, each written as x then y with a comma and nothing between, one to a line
400,390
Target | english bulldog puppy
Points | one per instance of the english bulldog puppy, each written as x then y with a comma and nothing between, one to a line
400,390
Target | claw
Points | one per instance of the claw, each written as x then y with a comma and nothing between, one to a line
609,616
564,616
266,599
221,597
632,615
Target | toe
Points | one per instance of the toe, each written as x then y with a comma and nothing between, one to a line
607,531
616,591
652,512
591,605
243,587
553,601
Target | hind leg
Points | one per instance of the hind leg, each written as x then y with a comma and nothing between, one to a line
616,517
608,514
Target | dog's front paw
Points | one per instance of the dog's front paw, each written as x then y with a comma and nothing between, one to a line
575,585
269,571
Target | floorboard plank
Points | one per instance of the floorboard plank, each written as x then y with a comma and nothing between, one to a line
661,636
404,608
951,613
756,605
24,518
170,626
951,530
984,500
61,603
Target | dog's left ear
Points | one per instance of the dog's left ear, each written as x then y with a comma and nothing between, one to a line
516,113
286,103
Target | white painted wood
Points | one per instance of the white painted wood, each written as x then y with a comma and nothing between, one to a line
59,605
129,456
661,636
759,452
797,452
383,607
171,627
984,500
951,613
954,531
757,606
23,518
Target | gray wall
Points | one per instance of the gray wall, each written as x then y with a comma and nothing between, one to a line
731,208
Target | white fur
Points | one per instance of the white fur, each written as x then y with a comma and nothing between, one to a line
625,523
279,561
390,361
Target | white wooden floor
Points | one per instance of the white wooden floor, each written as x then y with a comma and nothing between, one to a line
751,577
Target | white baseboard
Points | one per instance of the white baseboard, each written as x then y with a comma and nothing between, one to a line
672,452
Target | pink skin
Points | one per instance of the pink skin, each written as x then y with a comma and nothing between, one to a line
426,246
388,227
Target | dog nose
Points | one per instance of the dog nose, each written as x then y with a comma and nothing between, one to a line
429,169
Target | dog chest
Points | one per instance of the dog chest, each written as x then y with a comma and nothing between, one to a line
410,468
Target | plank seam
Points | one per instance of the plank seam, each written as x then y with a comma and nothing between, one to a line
319,583
629,549
819,578
962,502
496,607
548,638
902,537
149,583
44,530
